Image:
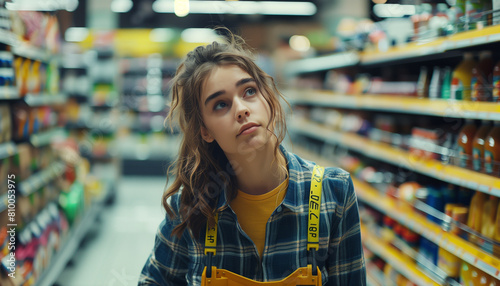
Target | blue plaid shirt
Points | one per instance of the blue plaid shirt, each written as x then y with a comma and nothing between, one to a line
180,261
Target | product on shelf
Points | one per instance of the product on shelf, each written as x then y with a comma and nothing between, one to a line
436,81
465,143
446,83
488,217
475,211
5,123
481,77
496,81
478,145
492,151
423,82
449,263
461,78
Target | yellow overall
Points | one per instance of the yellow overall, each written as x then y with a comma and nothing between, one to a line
304,276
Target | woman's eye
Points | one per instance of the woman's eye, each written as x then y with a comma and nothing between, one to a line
250,91
219,105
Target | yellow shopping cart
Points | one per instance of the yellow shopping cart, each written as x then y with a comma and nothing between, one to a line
304,276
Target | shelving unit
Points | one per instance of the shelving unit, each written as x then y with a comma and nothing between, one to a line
392,155
406,216
72,242
397,104
402,264
446,50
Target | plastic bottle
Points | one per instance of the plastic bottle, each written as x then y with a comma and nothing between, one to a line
459,10
446,83
449,263
496,82
465,141
472,8
461,78
436,81
466,274
475,211
496,15
478,145
492,150
489,216
482,77
496,236
423,83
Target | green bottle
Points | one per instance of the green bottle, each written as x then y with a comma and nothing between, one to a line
445,87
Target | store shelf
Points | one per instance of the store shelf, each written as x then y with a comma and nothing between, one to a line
71,243
7,37
398,104
41,178
338,60
46,137
7,149
9,92
401,263
417,49
385,152
26,50
374,277
44,99
405,215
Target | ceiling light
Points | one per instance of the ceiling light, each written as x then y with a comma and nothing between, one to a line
37,5
241,7
300,43
393,10
76,34
181,8
121,6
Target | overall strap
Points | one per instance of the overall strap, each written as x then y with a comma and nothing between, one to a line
314,214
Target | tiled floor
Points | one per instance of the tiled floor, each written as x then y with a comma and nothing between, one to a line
119,243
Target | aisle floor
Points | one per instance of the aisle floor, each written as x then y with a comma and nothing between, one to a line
120,241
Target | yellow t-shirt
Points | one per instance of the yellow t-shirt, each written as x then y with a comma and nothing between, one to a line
253,212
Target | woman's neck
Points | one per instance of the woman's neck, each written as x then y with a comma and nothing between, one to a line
259,172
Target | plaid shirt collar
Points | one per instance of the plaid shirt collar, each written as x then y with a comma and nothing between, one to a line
293,199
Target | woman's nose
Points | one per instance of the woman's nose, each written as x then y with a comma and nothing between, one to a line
241,110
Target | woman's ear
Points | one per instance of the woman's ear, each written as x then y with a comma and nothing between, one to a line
205,134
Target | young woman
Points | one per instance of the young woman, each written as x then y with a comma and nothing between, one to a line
231,164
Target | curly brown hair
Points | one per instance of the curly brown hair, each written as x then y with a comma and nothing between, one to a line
201,169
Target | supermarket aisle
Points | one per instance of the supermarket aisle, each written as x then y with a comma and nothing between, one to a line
118,245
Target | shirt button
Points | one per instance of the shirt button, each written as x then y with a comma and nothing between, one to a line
278,209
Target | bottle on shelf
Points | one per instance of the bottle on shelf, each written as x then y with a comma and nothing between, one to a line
475,213
461,78
496,82
478,145
492,150
423,83
465,142
435,84
446,83
481,78
489,216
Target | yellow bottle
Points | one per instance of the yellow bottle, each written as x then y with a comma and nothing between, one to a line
462,77
496,236
465,274
475,211
489,216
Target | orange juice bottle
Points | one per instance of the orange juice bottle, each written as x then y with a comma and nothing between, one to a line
496,236
465,140
475,211
466,274
492,150
461,78
496,83
489,216
478,145
481,77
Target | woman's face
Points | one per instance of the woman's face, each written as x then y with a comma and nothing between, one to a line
234,111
